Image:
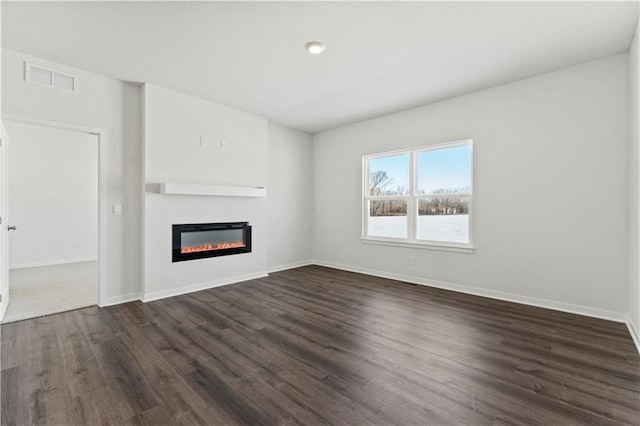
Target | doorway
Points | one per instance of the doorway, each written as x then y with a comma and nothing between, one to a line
52,186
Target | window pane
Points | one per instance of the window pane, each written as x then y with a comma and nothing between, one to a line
387,218
444,171
389,175
40,75
444,219
63,81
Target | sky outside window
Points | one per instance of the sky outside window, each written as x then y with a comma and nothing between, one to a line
447,169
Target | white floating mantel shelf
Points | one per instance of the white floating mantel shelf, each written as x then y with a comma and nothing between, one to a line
175,188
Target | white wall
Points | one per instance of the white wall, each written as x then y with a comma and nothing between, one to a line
129,240
174,124
100,103
634,185
560,137
53,196
289,198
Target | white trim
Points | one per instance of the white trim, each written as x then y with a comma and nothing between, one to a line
52,262
4,213
402,243
148,297
509,297
634,333
412,199
143,194
103,205
123,298
43,122
286,266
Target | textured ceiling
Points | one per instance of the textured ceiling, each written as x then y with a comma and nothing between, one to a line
381,57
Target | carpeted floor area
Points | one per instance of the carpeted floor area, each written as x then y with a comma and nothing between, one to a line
47,290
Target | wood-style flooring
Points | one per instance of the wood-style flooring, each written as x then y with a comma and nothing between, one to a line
319,346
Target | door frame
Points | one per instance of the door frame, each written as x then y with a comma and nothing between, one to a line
4,232
103,207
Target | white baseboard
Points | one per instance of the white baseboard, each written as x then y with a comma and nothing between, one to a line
271,269
148,297
52,262
117,300
492,294
634,334
509,297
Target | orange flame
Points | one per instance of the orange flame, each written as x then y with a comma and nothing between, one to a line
209,246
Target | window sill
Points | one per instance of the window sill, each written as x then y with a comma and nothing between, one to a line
426,246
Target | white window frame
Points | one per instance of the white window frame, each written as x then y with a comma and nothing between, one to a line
412,202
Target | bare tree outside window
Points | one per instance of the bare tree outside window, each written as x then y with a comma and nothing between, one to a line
379,183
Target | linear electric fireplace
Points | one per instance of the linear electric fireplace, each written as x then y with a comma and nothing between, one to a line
200,240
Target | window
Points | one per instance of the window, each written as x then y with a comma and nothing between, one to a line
421,196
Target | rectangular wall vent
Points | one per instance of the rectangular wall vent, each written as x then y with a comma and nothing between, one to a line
50,77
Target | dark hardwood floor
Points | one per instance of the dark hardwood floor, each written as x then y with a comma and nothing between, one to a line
319,346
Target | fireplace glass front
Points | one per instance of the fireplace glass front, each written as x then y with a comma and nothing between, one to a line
200,240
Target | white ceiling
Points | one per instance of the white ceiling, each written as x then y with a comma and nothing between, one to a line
381,57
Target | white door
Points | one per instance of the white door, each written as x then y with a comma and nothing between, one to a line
4,224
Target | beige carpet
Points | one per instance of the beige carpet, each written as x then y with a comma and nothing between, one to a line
45,290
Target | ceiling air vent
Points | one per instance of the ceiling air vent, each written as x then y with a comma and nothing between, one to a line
50,77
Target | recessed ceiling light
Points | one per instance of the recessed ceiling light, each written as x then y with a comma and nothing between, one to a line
315,47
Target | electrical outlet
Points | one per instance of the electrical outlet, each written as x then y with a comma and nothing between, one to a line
204,141
66,247
412,260
224,145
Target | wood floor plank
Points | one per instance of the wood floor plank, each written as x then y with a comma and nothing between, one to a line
319,346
